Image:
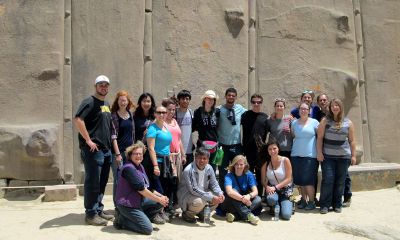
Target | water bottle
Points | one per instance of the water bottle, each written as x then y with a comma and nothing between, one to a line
207,214
276,211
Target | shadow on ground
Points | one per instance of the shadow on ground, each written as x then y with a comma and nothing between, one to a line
67,220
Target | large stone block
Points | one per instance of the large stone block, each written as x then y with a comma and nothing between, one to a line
60,193
30,152
200,46
3,184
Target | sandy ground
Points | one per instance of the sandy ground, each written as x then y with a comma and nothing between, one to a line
372,215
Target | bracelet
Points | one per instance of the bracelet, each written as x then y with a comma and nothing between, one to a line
118,154
156,166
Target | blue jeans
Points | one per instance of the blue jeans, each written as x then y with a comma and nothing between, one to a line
230,151
97,168
286,206
239,209
334,171
138,220
115,169
347,188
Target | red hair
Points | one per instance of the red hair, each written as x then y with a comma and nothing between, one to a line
122,93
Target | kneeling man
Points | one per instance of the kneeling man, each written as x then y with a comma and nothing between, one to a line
198,187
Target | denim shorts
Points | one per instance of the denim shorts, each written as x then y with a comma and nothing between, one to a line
305,170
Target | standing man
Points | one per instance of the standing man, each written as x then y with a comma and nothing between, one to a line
255,126
184,117
323,104
229,131
93,121
198,187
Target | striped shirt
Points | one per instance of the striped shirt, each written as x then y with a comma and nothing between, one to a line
336,140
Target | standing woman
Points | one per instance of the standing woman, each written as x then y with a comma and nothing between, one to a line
159,139
205,120
123,130
336,151
276,176
144,116
280,127
304,156
177,152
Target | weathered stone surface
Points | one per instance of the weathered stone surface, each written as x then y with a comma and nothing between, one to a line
381,33
308,45
373,232
200,46
46,183
60,193
30,152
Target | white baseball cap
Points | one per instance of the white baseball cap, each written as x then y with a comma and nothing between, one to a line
102,79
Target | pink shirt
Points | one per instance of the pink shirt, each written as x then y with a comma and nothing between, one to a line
175,130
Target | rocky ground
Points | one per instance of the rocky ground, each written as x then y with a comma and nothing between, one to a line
372,215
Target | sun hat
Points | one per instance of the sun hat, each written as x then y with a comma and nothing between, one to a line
209,94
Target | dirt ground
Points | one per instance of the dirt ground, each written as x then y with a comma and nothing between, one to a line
372,215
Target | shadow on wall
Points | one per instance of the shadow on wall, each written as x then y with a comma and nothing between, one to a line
234,20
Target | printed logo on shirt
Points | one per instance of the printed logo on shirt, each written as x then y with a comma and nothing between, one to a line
105,109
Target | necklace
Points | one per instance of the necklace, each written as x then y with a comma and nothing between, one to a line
124,115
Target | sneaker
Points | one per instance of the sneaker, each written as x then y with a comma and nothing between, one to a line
188,218
158,219
338,210
346,202
230,217
271,211
324,210
96,221
317,202
301,204
107,217
252,219
310,205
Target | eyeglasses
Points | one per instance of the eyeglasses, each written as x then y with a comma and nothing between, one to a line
161,112
256,102
308,91
231,116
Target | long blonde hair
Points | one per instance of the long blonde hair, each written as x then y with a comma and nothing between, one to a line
231,167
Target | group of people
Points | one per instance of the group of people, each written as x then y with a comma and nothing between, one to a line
158,168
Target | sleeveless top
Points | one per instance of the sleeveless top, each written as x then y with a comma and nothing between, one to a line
336,140
279,172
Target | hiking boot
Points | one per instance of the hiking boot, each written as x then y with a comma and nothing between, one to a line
95,221
310,205
187,218
252,219
324,210
230,217
158,219
107,217
346,202
301,204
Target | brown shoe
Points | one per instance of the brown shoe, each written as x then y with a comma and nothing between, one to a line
96,221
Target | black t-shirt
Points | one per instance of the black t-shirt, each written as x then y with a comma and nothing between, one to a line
206,124
97,117
254,124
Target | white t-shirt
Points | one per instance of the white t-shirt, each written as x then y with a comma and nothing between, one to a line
201,178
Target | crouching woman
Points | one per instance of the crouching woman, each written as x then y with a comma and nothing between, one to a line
276,175
137,206
242,201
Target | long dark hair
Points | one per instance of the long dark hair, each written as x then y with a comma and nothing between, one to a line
139,110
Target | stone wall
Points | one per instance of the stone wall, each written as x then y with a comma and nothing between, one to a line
51,52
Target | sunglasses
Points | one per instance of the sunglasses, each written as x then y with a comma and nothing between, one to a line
308,91
161,112
256,102
280,100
